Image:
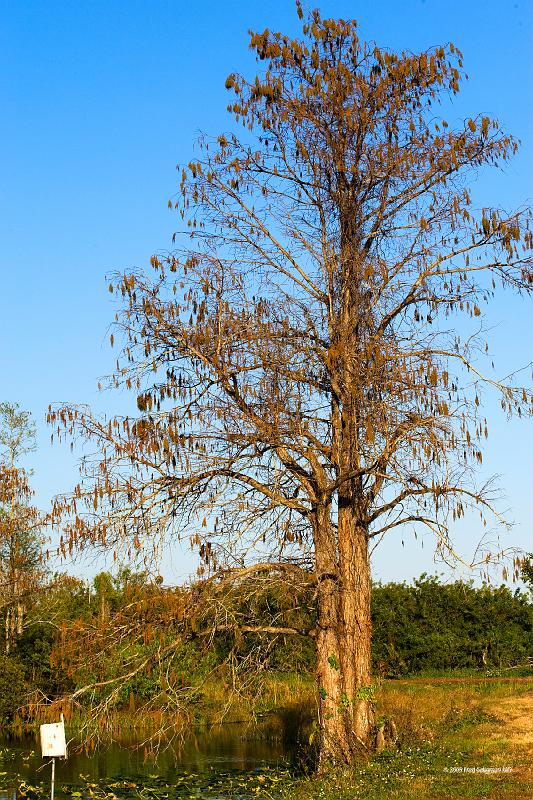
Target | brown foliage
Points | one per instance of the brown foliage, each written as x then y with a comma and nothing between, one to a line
20,523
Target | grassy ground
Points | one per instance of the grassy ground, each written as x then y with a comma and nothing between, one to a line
458,737
456,740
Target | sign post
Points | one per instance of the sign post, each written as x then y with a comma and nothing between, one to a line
53,745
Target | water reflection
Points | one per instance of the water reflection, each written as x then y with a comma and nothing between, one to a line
226,749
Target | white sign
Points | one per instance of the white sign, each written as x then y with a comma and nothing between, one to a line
53,743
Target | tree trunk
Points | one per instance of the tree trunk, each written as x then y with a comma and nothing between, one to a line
8,630
355,623
20,619
333,746
342,642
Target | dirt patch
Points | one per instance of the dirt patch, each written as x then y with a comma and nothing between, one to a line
465,679
516,719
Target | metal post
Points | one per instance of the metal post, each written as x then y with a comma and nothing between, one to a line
53,778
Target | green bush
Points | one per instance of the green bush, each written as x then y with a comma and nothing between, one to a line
449,626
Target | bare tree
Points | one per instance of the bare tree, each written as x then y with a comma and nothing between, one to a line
19,521
308,369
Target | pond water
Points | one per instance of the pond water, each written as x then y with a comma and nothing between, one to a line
231,761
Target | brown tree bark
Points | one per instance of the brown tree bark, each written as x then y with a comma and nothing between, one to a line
355,627
343,640
8,631
20,619
349,727
332,744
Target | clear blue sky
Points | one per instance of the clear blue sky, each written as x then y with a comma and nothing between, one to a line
100,100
